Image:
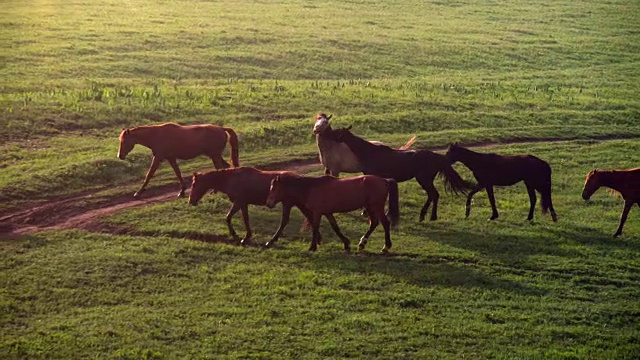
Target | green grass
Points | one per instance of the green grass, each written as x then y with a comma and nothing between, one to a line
73,73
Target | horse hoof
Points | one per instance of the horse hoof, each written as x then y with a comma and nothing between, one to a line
360,246
617,234
268,244
181,194
385,250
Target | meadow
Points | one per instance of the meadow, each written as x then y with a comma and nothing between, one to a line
559,80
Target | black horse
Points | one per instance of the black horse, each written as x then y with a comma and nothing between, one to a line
403,165
493,169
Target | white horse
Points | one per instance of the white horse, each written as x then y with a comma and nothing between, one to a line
337,157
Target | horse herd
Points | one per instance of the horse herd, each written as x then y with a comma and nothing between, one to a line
342,151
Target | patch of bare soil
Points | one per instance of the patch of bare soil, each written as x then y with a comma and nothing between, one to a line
84,211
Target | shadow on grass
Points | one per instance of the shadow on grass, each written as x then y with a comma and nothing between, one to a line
598,238
116,229
417,270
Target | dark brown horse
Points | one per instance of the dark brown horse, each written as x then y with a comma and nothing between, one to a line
626,182
496,170
174,142
403,165
326,195
244,186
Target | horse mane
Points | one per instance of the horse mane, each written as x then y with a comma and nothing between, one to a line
378,147
605,175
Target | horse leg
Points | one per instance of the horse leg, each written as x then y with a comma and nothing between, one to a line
234,209
532,199
176,169
219,162
469,198
155,162
546,194
245,219
315,226
423,212
432,197
284,220
336,229
492,201
387,235
627,206
373,223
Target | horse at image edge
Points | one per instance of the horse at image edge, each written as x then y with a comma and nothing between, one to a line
626,182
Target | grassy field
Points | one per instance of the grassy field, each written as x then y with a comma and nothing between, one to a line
73,73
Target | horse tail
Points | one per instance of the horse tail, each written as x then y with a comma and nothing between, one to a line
233,143
408,145
453,182
545,202
394,209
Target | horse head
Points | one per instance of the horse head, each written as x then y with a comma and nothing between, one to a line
276,192
453,152
126,143
591,184
322,123
341,134
198,189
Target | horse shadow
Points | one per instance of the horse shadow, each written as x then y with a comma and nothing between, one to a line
504,247
419,270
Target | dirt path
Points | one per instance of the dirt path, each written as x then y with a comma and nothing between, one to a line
83,211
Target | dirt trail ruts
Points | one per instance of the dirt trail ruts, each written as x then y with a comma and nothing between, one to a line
83,211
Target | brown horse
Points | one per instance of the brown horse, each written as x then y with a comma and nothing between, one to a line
402,165
174,142
336,157
626,182
496,170
326,195
244,186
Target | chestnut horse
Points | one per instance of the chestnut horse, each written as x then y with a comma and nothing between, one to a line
626,182
174,142
245,186
326,195
402,165
496,170
336,157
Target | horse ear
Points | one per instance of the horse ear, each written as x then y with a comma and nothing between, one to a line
127,131
349,127
329,117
